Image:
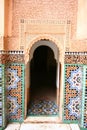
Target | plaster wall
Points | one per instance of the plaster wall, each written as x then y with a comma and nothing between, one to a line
1,23
1,18
73,10
44,9
82,19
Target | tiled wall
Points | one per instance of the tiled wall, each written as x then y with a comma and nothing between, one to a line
72,93
11,87
15,91
75,77
2,98
83,120
75,87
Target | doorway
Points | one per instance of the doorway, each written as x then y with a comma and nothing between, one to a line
43,89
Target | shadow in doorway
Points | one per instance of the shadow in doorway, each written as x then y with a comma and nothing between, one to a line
43,83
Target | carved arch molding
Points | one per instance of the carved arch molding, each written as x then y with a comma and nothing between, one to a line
56,31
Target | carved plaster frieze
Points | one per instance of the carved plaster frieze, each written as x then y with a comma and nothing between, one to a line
52,27
11,57
42,37
57,31
76,58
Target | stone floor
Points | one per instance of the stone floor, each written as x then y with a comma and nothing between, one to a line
42,126
42,123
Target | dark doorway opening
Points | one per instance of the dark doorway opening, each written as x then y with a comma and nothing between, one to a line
43,89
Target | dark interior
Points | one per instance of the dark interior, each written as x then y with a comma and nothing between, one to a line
43,74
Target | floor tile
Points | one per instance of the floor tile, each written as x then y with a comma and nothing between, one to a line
42,107
13,126
74,127
45,127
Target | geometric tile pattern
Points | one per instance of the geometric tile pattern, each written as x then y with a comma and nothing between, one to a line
83,123
15,92
2,98
42,107
72,92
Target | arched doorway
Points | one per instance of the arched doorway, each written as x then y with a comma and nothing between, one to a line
43,80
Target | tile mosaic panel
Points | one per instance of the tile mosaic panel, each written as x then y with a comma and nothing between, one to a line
15,92
2,98
72,93
42,107
83,120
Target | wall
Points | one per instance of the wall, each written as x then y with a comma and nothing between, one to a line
82,19
75,88
1,23
44,9
1,17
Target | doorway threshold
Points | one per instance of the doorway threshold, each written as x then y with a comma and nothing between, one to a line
56,115
42,119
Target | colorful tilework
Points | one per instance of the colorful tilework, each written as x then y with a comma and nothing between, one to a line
2,98
42,107
15,92
72,92
83,120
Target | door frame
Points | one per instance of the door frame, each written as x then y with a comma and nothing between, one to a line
60,72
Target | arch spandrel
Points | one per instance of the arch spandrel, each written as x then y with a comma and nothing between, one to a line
44,37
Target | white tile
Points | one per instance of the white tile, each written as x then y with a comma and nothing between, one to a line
45,126
44,119
74,127
42,126
13,126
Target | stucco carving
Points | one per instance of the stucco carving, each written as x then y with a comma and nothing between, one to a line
57,31
42,37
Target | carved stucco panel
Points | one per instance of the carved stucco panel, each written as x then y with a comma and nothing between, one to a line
30,41
57,31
